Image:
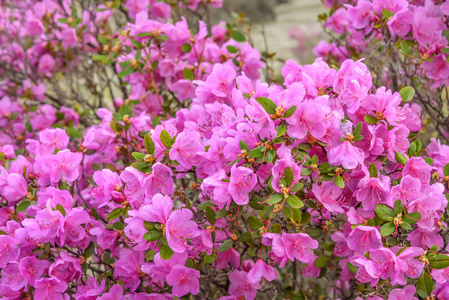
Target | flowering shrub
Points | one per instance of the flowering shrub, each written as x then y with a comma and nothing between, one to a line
208,182
405,43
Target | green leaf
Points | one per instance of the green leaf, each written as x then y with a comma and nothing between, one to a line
255,222
412,218
225,246
125,72
61,209
118,226
89,250
406,47
238,36
210,215
139,54
136,44
281,130
373,172
243,145
351,268
152,235
321,261
446,170
440,262
289,112
288,212
204,205
398,207
400,158
294,201
115,213
186,47
370,119
267,104
358,129
138,156
257,152
232,49
384,212
99,57
166,139
406,226
339,181
149,144
306,172
210,258
276,228
23,205
275,198
387,229
187,74
425,283
297,187
288,176
253,203
386,14
166,252
407,93
246,237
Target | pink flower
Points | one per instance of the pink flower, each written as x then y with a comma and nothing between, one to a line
385,265
328,194
408,292
361,14
46,64
32,269
373,191
298,245
240,286
186,150
178,224
12,277
65,166
136,6
69,37
399,23
337,21
161,268
115,293
184,280
14,189
424,28
180,227
364,238
261,270
417,168
346,155
49,288
108,186
66,268
216,189
308,118
265,126
218,85
72,229
45,226
242,182
160,181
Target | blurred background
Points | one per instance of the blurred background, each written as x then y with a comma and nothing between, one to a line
290,28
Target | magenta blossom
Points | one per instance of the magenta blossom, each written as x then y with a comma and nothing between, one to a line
184,280
242,182
364,238
261,270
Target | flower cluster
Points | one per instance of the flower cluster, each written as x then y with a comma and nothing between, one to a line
418,30
209,182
